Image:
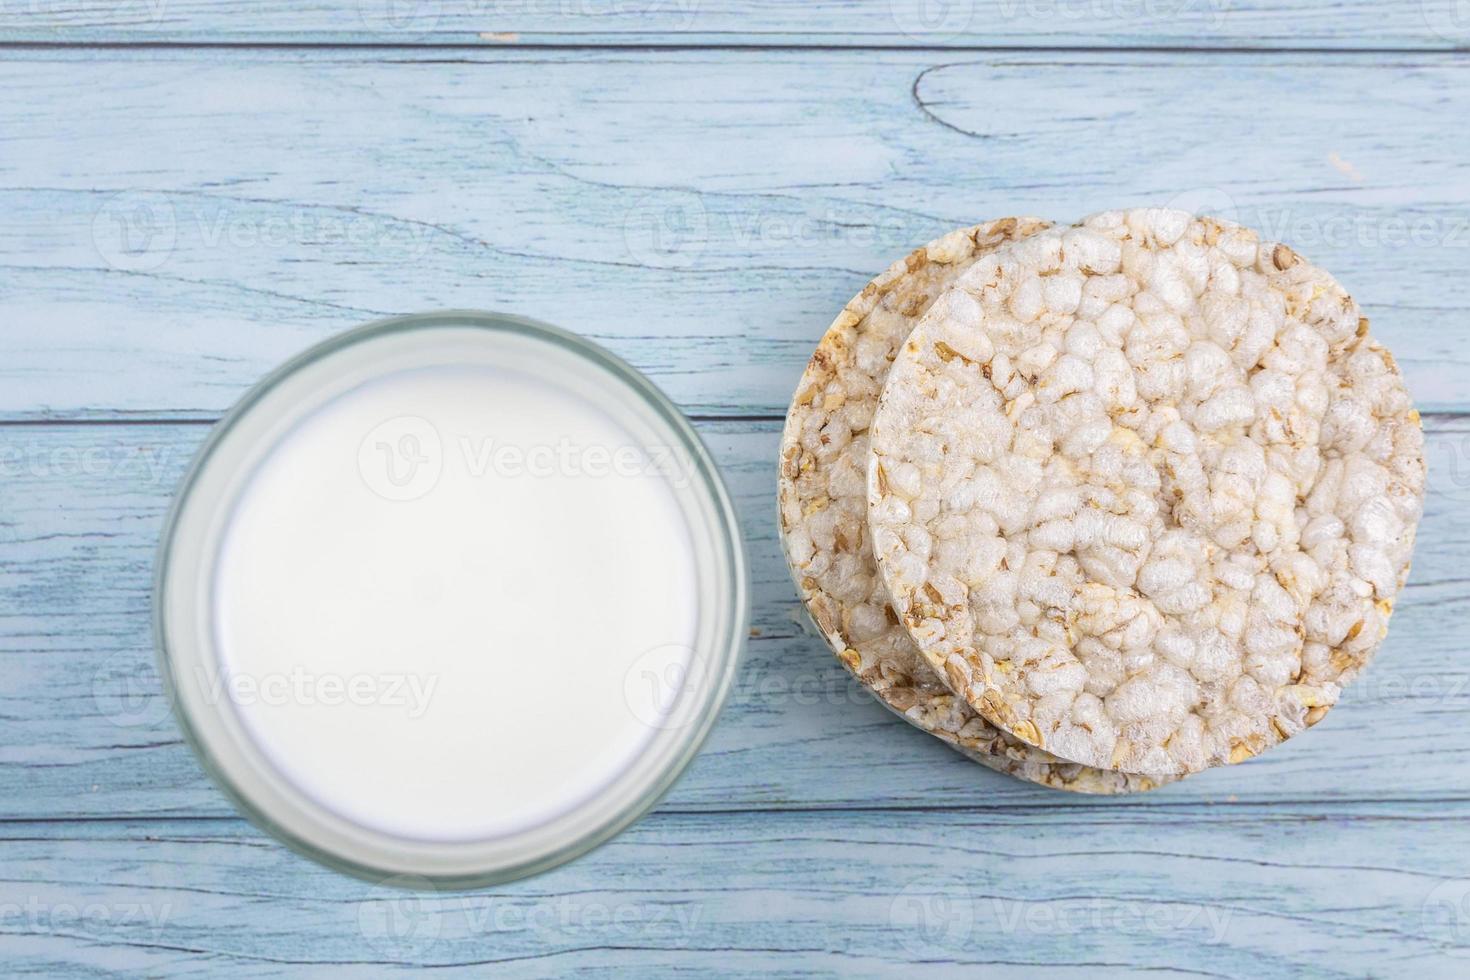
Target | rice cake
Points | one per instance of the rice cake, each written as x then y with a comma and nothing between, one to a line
823,509
1144,490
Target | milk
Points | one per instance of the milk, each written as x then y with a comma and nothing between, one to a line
438,599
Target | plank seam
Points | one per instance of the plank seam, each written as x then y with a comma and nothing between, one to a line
701,418
185,420
1333,807
1453,51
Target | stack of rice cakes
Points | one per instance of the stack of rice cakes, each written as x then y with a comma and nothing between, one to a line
1102,505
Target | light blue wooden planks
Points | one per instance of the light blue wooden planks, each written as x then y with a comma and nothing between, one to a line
1225,891
895,23
85,732
191,218
704,213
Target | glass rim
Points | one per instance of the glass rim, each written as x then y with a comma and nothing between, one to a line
733,610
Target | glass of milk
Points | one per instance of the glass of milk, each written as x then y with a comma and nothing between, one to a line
450,599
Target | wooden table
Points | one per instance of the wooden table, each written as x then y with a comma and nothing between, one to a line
192,190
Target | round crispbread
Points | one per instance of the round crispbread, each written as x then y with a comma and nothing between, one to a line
823,511
1144,490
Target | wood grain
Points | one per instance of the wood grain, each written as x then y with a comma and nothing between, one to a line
703,213
700,186
85,731
889,23
1229,891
